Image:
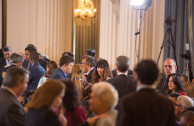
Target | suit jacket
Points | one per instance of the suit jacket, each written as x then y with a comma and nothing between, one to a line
59,74
2,63
36,72
89,76
146,108
5,70
123,84
129,73
162,85
11,111
44,117
42,62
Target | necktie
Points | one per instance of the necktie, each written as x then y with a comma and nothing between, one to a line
29,65
9,62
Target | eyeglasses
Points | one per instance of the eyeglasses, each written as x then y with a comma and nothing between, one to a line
169,66
177,104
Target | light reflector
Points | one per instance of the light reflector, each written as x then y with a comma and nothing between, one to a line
140,4
137,2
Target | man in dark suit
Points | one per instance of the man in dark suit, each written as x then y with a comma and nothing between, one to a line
66,63
26,63
5,61
169,68
89,64
129,73
36,71
11,111
146,107
16,61
122,82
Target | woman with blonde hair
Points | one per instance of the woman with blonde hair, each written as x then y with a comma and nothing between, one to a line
80,81
78,77
43,103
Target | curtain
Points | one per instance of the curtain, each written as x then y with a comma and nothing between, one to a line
45,23
118,24
182,29
3,19
86,36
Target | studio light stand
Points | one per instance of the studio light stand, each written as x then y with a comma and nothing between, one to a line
137,34
170,41
140,5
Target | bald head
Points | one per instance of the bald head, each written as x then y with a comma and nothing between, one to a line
169,66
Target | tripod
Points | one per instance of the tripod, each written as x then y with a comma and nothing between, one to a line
169,42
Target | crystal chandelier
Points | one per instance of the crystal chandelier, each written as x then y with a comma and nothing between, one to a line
85,12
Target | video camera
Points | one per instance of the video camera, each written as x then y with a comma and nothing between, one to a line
169,20
187,55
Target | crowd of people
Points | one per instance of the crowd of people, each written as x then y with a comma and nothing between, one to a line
35,91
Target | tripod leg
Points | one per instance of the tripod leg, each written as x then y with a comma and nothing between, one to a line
163,43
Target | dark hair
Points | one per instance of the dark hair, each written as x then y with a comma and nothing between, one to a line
102,63
51,65
177,80
71,98
30,48
65,60
16,58
189,109
91,52
122,63
68,54
34,56
12,55
147,71
89,60
13,75
6,49
184,77
174,95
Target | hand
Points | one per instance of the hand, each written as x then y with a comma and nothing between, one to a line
20,99
92,120
62,119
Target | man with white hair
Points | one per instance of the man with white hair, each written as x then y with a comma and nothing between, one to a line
183,102
104,98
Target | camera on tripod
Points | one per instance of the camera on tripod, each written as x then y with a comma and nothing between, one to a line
187,55
169,20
